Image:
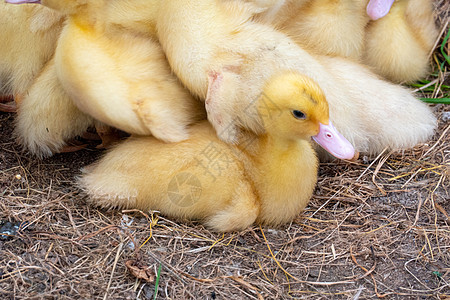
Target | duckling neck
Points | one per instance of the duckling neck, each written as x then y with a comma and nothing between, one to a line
287,174
84,17
275,145
283,156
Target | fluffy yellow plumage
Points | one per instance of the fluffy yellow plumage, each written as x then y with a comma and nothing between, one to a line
396,46
46,115
27,43
246,53
267,179
218,37
117,73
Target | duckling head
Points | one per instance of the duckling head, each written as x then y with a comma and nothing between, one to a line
293,106
63,6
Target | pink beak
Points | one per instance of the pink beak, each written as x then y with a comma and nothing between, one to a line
335,143
377,9
22,1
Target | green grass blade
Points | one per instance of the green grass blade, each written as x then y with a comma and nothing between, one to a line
436,100
447,58
157,282
419,85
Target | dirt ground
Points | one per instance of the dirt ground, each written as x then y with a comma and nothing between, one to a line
378,227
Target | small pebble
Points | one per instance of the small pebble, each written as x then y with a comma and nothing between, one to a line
18,176
9,230
365,159
273,231
131,246
126,221
446,116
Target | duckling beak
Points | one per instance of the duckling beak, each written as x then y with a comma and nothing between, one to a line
22,1
377,9
335,143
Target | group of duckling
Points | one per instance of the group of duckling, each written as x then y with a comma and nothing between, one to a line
267,74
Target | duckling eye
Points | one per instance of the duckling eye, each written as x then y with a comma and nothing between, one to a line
299,114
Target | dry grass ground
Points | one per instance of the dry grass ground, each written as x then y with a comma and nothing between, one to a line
374,228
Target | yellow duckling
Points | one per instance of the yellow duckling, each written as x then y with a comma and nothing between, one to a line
28,40
268,179
398,45
228,63
119,75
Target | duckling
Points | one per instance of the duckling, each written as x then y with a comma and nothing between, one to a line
398,45
229,62
27,43
268,181
118,75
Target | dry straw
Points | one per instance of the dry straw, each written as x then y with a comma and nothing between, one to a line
375,228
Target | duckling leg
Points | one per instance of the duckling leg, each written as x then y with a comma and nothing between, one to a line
12,102
72,148
239,214
6,98
107,134
219,106
162,104
7,103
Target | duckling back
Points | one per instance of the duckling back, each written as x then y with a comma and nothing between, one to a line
375,114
